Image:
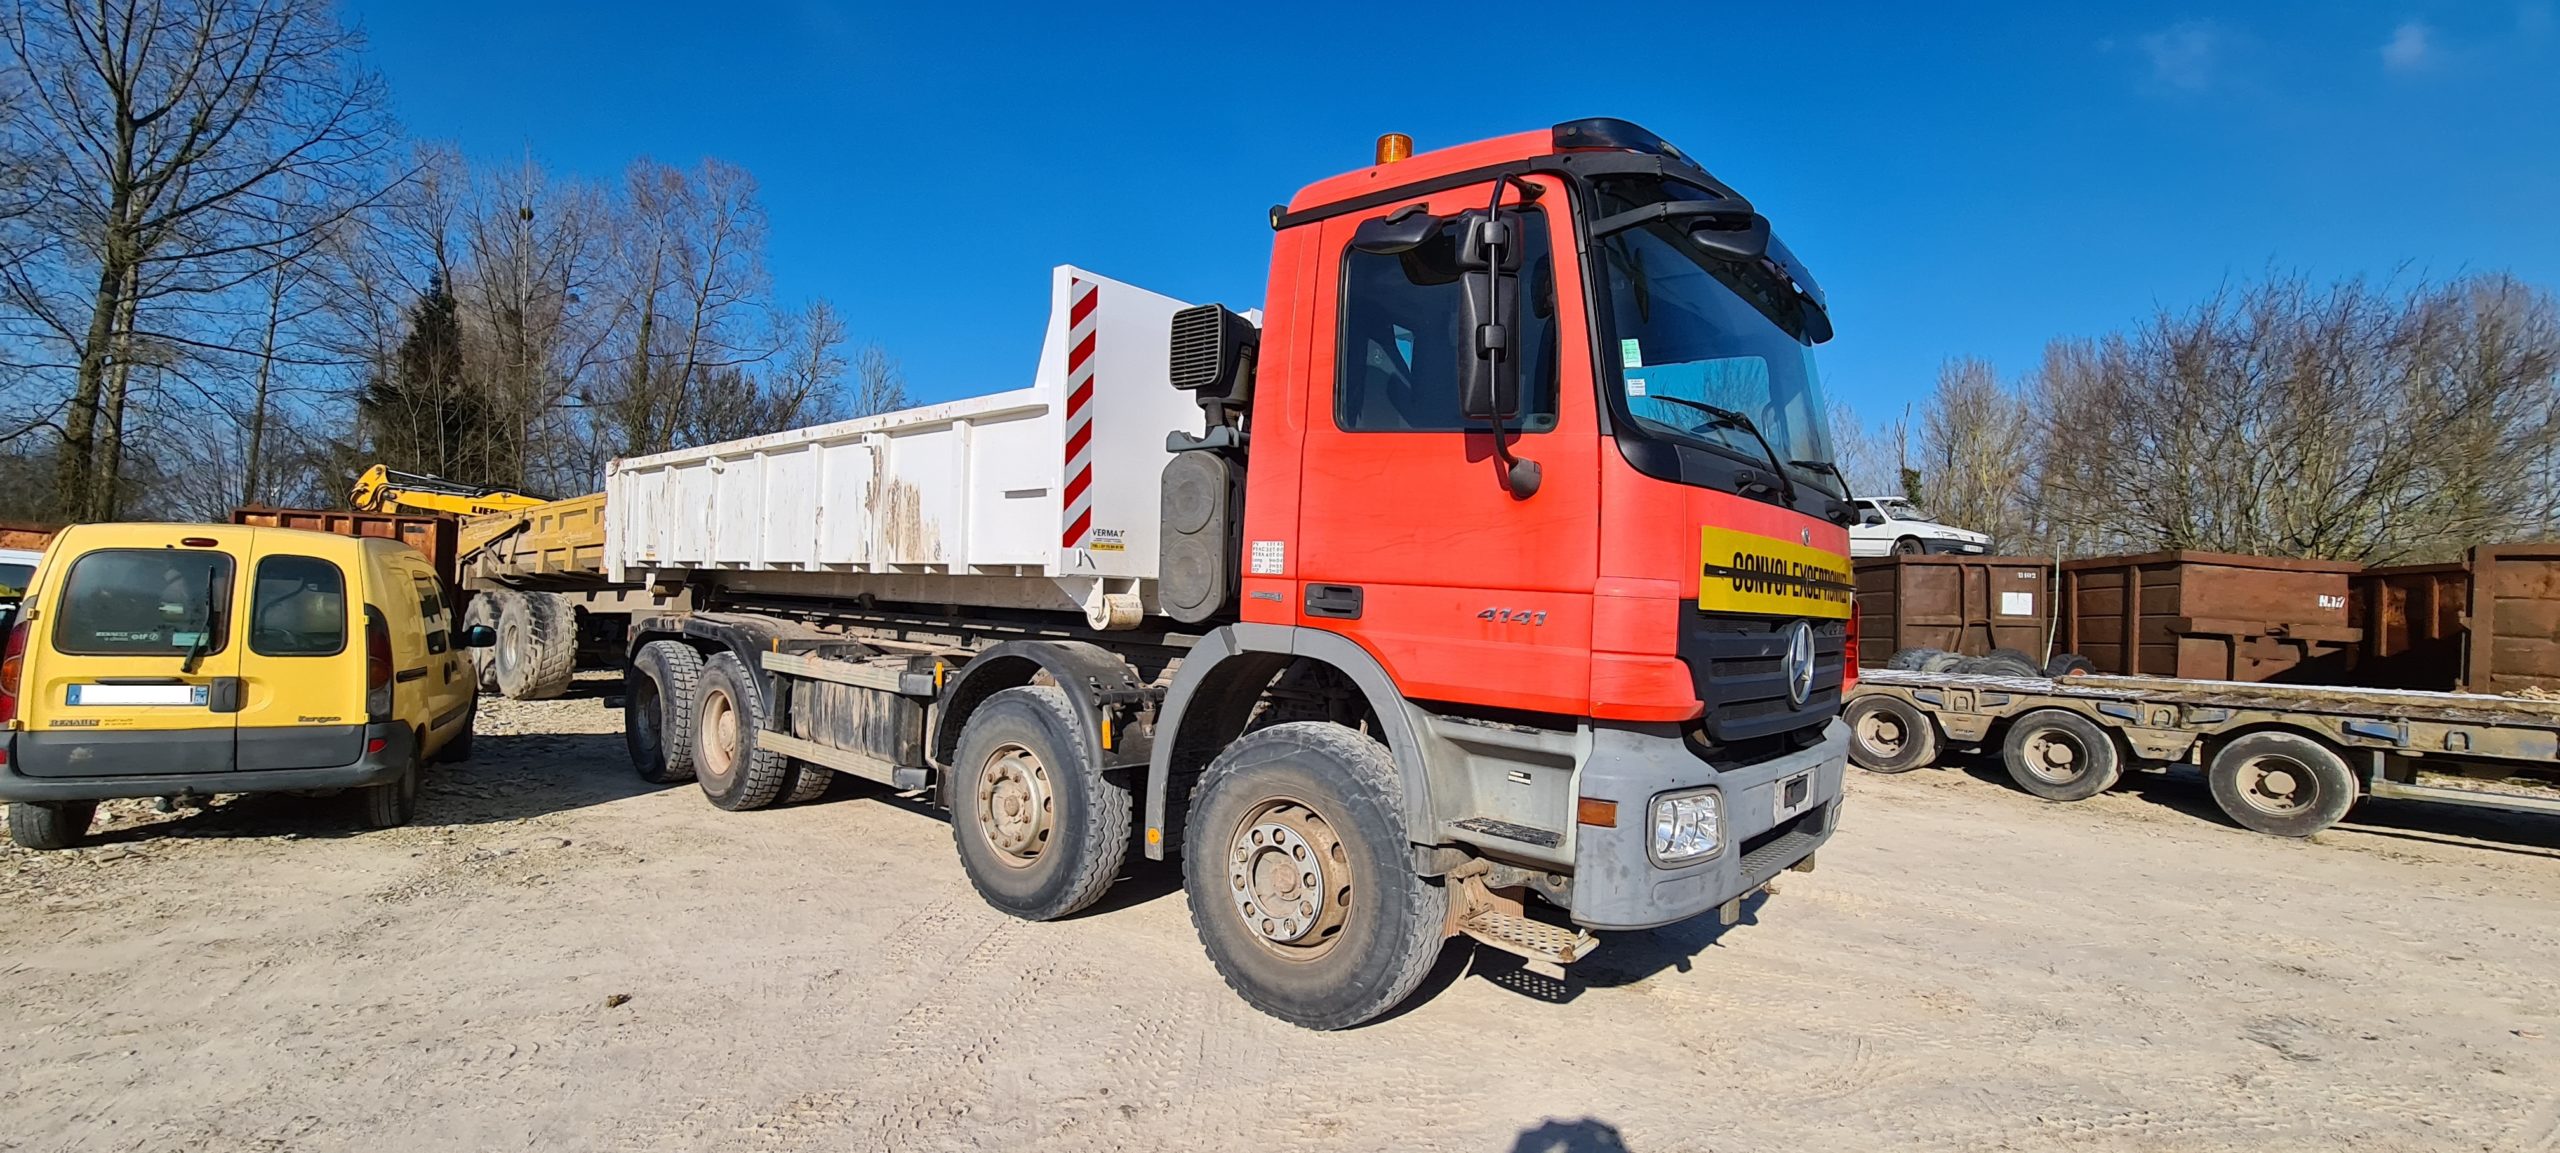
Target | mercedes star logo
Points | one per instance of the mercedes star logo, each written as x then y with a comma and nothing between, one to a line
1799,665
1805,535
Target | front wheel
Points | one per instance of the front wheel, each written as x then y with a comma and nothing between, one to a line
2282,784
1300,877
1907,546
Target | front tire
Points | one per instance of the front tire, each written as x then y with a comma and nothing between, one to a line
2281,784
47,825
1888,734
1907,546
1293,802
2060,755
1042,831
657,710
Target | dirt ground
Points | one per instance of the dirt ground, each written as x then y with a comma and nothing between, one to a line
559,957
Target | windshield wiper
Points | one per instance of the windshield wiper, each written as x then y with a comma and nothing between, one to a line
1729,417
204,629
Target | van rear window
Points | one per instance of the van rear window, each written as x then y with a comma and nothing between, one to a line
298,608
145,602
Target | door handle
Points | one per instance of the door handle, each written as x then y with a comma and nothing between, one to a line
222,695
1341,602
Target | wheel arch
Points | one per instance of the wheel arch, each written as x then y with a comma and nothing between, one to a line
1212,697
1097,682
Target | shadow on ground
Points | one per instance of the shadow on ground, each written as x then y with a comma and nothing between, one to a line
1583,1135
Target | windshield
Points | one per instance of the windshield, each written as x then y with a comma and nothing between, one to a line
1707,330
1904,510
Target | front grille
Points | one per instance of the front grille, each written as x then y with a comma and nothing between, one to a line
1764,855
1739,664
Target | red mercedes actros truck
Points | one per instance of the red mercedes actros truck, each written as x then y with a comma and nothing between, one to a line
1491,582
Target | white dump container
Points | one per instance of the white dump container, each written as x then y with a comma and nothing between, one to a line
1043,497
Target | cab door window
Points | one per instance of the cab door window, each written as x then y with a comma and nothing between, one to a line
145,602
1397,369
298,608
431,611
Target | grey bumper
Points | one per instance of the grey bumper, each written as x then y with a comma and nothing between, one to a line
374,768
1932,547
1617,885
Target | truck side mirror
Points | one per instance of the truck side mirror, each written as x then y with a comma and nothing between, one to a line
1489,315
479,637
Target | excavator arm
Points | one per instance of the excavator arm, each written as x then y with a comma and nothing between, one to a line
386,489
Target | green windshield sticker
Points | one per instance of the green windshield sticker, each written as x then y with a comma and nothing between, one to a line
1631,353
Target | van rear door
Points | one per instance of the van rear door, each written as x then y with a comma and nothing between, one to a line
133,663
302,657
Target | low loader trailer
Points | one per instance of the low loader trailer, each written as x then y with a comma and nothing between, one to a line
2288,760
1492,583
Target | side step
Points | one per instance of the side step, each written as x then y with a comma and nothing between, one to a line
1536,940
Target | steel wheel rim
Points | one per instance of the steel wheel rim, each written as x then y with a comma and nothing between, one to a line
2053,756
2277,785
1289,879
718,730
1017,808
1883,733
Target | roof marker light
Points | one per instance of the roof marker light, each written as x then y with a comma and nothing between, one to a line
1394,146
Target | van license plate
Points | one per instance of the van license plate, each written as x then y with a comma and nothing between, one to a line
139,695
1794,795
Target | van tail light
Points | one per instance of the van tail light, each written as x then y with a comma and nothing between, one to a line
13,665
377,665
1849,655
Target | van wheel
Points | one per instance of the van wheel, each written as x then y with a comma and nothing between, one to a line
537,650
657,710
1301,880
1888,734
1042,830
484,662
50,824
736,772
390,804
2282,784
2060,755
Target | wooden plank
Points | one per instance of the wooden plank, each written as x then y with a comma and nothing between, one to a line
866,767
883,676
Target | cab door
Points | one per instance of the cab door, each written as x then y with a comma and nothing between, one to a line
449,682
302,663
133,653
1410,542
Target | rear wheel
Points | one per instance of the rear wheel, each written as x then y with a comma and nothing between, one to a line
1042,831
1300,878
537,650
735,770
657,710
2283,784
50,824
484,665
2061,756
1888,734
392,803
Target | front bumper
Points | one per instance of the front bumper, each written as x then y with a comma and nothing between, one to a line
1617,885
1931,547
374,768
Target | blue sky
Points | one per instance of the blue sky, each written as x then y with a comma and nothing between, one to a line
1963,183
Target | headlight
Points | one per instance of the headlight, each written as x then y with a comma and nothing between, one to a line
1688,826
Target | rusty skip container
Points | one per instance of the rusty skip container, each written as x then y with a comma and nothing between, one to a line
432,535
2487,624
1962,604
2210,616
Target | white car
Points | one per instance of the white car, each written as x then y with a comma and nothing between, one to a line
1892,526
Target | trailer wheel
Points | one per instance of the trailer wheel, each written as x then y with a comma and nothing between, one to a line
484,661
1888,734
1042,831
657,710
50,824
537,651
734,768
1300,878
2060,755
2283,784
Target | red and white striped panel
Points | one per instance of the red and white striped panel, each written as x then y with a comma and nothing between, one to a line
1076,506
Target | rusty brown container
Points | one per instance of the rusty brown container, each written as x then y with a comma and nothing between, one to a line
2488,624
2210,616
1962,604
432,535
2514,619
2412,618
20,535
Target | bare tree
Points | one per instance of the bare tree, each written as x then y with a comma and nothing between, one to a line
1974,461
879,384
1875,459
165,130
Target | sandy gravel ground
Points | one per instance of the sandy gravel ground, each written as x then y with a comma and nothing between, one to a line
557,957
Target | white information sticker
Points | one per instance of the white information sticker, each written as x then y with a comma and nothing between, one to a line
1270,557
1635,386
2017,604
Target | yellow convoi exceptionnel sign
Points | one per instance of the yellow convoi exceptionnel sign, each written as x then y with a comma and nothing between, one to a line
1741,572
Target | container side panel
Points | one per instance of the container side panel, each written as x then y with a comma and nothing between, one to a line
788,521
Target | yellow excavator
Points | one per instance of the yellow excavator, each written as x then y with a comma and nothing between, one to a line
383,488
